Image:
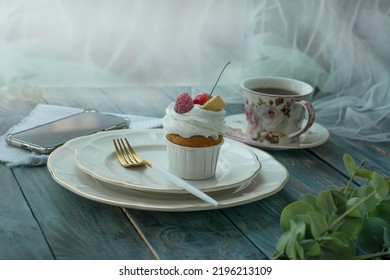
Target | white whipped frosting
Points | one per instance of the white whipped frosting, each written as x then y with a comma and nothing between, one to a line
195,122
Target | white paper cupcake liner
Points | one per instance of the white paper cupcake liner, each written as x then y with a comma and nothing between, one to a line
192,163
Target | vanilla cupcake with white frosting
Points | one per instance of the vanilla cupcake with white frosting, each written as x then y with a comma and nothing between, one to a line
194,135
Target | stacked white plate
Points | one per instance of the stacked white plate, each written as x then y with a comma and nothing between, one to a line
88,167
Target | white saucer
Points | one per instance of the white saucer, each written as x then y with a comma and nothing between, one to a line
96,157
315,136
61,164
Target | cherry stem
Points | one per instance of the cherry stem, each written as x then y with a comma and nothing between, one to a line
211,93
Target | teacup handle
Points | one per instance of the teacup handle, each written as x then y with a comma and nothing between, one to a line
310,118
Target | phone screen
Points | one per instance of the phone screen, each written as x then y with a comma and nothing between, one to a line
46,137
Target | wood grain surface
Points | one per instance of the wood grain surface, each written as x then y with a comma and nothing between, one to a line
39,219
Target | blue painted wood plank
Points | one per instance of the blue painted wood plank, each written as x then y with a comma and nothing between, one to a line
194,235
20,234
78,228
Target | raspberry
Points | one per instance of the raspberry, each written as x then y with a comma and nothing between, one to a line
183,103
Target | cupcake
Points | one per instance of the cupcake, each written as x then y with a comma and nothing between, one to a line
194,135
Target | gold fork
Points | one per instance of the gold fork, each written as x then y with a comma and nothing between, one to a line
129,158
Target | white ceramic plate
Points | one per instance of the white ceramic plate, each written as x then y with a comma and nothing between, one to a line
96,157
315,136
63,169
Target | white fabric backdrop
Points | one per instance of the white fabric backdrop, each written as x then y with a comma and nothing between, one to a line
339,46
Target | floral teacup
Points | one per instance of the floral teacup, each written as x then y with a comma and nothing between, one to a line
274,109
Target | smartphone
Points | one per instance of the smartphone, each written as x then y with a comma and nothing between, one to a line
46,138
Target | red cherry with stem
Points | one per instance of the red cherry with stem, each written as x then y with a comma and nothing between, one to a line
201,98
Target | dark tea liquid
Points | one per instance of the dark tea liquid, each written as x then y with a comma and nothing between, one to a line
275,91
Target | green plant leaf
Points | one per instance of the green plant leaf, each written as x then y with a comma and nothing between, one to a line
318,224
347,190
363,173
291,211
355,207
289,243
380,185
382,211
372,236
309,199
386,238
349,163
351,227
337,246
388,185
332,201
312,249
360,192
366,193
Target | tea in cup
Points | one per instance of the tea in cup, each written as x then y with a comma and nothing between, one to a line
275,109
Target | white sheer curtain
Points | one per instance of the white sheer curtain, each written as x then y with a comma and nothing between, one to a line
339,46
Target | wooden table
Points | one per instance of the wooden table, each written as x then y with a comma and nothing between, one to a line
39,219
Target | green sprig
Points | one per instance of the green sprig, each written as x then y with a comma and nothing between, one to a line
336,224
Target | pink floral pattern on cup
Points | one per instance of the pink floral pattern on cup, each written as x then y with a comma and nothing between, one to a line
252,119
276,118
267,116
